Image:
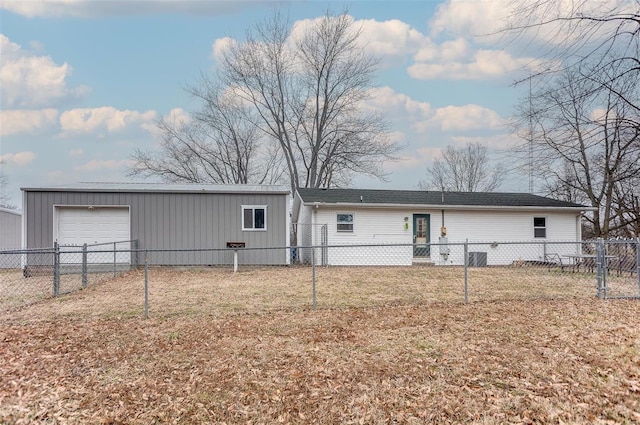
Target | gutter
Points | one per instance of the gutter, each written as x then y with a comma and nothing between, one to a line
155,190
450,207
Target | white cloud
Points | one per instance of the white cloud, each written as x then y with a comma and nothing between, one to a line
470,18
106,118
602,115
220,45
20,158
388,40
99,8
463,118
429,153
456,58
176,118
30,81
403,163
391,38
483,64
398,105
24,121
99,165
496,142
421,116
76,152
485,21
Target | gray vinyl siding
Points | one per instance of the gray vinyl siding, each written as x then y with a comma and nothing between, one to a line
174,221
10,230
10,238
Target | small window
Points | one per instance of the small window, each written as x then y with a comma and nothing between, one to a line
254,217
345,222
539,227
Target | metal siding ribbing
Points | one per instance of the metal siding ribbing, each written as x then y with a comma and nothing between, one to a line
173,221
10,230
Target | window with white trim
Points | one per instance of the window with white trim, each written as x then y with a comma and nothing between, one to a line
344,222
539,227
254,217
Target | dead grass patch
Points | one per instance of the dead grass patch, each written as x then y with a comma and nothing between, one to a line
217,291
534,361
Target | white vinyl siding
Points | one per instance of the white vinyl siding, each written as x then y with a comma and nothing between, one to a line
374,226
387,226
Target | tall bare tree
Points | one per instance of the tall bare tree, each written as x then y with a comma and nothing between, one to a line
466,169
217,144
586,140
309,87
627,207
602,34
595,44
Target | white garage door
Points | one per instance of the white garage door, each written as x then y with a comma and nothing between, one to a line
97,225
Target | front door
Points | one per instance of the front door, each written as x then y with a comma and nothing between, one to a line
421,235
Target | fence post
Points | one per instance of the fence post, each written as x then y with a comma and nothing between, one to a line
56,269
235,260
605,268
84,265
135,260
599,253
146,285
313,276
114,259
466,261
638,263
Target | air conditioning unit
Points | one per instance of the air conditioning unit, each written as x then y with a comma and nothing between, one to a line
477,259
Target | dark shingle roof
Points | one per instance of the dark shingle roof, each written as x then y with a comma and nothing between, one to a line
421,197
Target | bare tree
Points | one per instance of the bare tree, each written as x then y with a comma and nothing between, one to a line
309,88
593,53
627,208
602,34
217,144
586,140
466,169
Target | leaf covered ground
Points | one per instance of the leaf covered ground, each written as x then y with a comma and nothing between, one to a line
540,361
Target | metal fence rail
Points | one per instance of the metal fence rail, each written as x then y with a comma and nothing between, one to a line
31,275
135,282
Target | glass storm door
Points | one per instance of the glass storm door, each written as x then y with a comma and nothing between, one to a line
421,235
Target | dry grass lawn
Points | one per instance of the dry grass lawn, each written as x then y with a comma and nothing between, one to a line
384,346
214,291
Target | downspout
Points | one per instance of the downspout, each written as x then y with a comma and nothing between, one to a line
23,242
443,230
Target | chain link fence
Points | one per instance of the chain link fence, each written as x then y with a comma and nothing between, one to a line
32,275
119,280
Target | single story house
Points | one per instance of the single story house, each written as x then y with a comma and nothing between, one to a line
10,237
170,217
426,222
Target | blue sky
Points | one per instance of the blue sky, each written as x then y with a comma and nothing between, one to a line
83,81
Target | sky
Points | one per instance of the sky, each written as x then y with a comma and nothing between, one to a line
83,82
